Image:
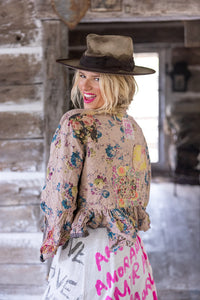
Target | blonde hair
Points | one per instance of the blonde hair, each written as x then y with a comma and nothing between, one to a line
117,92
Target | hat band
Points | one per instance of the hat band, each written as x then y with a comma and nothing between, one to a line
107,62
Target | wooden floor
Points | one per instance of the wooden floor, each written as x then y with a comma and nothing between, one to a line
172,244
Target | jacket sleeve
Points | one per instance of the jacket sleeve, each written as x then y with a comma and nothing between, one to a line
142,167
58,199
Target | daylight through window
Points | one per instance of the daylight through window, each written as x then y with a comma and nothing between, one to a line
145,106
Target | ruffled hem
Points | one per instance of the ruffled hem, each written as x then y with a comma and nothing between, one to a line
122,224
122,227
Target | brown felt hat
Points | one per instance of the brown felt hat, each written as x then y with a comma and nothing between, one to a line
112,54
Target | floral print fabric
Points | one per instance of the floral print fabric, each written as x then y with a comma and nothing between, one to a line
98,175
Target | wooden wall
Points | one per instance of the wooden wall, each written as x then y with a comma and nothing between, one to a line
33,88
137,11
21,148
183,115
34,96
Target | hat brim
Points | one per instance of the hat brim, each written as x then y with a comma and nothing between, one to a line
75,64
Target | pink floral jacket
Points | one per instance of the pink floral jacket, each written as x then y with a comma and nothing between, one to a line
98,175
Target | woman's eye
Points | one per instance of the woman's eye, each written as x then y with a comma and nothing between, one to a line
96,79
82,76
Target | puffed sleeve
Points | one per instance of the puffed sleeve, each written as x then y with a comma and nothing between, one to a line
58,199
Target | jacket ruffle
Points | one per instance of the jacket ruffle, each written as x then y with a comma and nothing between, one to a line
122,227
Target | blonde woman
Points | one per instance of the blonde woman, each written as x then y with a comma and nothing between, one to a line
97,185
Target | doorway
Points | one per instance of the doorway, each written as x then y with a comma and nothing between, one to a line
145,105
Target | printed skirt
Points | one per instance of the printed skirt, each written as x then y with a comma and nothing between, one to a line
86,270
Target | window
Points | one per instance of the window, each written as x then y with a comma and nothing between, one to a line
145,106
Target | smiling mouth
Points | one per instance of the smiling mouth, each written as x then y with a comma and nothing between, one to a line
88,98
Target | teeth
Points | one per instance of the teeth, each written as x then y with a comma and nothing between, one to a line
89,96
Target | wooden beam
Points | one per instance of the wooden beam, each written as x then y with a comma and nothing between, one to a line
143,10
133,11
55,45
154,32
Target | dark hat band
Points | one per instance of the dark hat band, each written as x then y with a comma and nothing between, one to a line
107,62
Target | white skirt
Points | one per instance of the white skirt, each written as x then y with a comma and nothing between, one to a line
87,270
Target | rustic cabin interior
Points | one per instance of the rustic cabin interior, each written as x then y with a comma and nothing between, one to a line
35,93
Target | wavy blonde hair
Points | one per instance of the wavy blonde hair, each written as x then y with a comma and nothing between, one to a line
117,92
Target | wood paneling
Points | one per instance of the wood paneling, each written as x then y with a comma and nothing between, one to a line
21,150
22,218
20,191
157,32
27,275
148,10
21,125
193,83
20,68
192,33
20,248
134,11
18,22
55,104
190,55
22,156
20,291
21,94
45,10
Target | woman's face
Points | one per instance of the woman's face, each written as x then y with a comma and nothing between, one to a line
88,85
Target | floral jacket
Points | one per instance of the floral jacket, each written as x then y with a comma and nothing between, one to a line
98,175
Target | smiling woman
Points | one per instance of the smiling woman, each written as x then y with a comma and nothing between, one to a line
103,92
98,181
88,84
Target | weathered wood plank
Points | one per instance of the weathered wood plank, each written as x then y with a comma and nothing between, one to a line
23,274
147,10
20,156
21,292
20,191
25,15
185,105
20,248
55,82
154,32
190,55
20,37
21,28
21,125
21,94
20,68
134,11
192,33
45,10
193,83
19,218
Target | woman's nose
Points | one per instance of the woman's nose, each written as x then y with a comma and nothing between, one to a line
87,85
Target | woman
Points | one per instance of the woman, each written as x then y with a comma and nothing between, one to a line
97,185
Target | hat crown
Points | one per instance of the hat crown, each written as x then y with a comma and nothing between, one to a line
109,54
120,47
